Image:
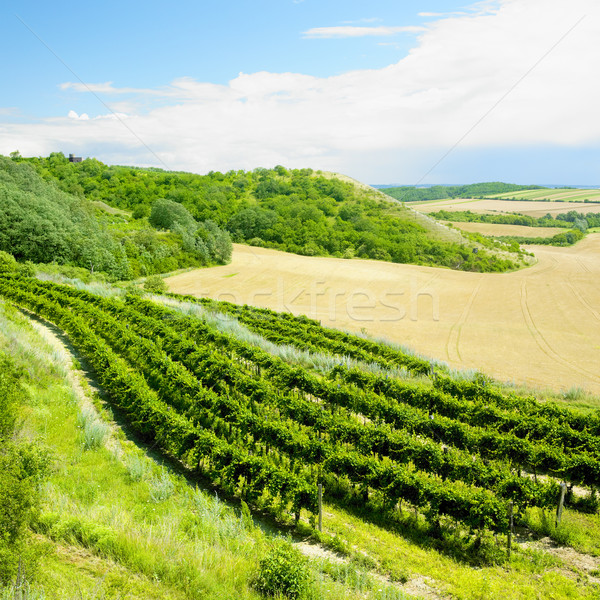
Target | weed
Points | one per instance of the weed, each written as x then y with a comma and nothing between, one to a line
575,394
93,431
161,487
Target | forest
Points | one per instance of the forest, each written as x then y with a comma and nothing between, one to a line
40,223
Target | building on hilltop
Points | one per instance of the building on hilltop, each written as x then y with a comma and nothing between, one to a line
73,158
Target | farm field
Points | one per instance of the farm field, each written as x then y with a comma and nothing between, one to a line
498,229
564,195
491,205
539,326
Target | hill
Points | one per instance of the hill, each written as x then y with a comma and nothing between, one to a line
297,210
411,193
417,467
42,223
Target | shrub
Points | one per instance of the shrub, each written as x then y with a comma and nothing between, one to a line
284,570
7,262
155,284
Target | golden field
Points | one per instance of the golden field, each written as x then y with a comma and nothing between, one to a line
539,326
498,230
492,205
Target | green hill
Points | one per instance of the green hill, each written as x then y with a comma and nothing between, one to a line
295,210
410,193
42,222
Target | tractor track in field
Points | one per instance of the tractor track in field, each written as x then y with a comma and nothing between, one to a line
453,342
583,301
543,343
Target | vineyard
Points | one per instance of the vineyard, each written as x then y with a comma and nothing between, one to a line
270,431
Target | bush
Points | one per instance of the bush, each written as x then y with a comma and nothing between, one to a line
7,262
284,570
155,284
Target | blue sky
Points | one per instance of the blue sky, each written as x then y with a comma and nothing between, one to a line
407,92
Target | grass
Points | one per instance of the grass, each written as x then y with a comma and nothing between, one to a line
531,573
577,530
94,432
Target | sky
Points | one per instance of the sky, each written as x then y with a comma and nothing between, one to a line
386,91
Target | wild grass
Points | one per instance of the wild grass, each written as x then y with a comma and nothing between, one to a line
94,432
530,574
320,362
577,530
161,487
136,466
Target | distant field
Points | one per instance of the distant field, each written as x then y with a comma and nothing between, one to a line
565,195
500,230
491,205
539,326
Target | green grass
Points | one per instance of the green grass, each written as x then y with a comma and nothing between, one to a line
531,573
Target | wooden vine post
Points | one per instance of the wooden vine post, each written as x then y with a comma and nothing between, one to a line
510,528
561,503
320,507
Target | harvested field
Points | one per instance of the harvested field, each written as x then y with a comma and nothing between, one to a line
564,194
500,230
491,205
539,326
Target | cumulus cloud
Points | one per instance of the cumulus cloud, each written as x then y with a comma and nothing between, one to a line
82,117
461,72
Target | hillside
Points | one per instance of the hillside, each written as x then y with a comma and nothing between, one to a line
417,466
298,211
40,223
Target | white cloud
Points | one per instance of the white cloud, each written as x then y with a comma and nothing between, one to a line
103,88
419,107
82,117
353,31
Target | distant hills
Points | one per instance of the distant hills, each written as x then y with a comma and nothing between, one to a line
410,193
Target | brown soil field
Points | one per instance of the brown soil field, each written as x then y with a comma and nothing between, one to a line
499,229
491,205
539,326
